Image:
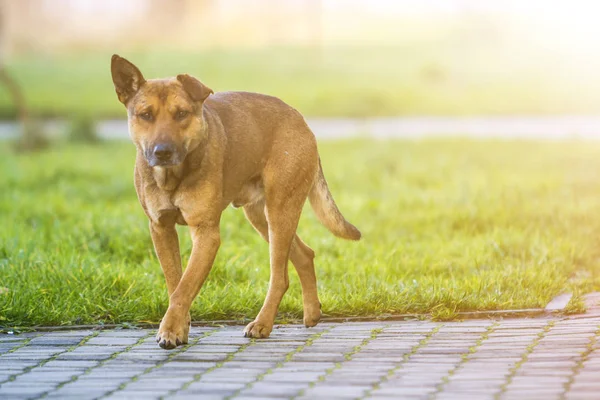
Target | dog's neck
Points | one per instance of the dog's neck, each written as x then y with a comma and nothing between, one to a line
168,178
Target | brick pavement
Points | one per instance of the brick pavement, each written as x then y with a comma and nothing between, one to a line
537,358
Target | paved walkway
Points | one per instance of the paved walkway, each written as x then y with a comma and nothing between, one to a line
541,358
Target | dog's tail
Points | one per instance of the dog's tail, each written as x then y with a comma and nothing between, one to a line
326,209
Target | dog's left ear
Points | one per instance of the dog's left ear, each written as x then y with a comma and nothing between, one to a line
196,89
126,77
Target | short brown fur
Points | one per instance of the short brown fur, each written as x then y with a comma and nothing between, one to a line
198,152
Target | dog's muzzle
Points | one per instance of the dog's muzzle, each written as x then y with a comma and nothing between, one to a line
164,154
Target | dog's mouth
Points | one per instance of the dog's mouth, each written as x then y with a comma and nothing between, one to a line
157,162
162,163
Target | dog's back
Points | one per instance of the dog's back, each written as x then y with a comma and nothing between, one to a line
258,129
261,114
271,128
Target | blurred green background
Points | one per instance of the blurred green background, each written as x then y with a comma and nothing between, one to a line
325,57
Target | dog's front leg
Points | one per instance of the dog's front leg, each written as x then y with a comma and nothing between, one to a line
166,246
174,327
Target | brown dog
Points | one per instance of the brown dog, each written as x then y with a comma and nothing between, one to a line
197,154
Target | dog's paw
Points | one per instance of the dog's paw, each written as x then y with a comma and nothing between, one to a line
312,314
258,330
312,318
173,331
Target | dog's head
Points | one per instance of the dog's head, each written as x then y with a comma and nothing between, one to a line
165,115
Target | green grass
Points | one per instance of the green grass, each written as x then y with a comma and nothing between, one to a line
455,77
448,225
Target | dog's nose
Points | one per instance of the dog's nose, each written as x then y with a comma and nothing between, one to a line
163,152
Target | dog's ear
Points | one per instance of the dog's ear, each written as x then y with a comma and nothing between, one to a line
127,78
196,89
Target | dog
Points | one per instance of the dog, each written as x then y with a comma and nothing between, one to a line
200,151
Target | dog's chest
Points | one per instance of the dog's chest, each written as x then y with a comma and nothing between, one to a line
161,208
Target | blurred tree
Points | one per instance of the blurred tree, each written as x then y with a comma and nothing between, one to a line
31,137
82,129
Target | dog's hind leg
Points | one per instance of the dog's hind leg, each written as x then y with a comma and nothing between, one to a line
283,209
287,179
302,258
282,227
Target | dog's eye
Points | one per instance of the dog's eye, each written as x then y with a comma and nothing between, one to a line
181,114
146,116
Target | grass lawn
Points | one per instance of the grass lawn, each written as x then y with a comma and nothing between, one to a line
449,78
448,225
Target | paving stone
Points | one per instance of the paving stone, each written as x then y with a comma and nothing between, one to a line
460,375
6,346
64,341
244,379
113,341
107,373
489,385
539,380
212,349
250,364
586,377
333,380
590,385
192,365
128,364
208,386
148,384
284,377
331,397
31,355
12,339
137,333
530,395
199,357
29,390
273,389
219,373
414,381
199,396
134,395
405,390
48,376
577,395
326,391
257,357
262,398
318,357
551,356
160,374
450,395
99,349
530,373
